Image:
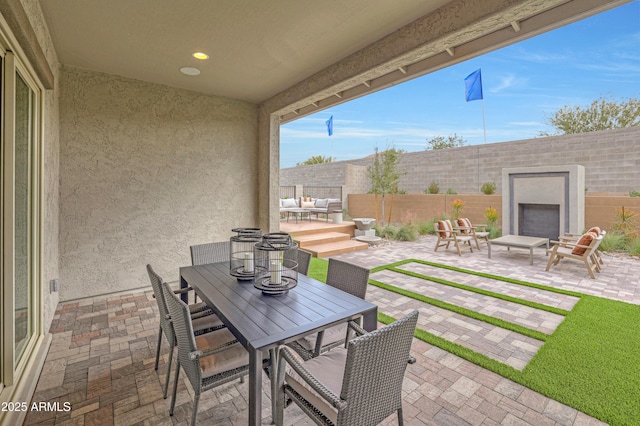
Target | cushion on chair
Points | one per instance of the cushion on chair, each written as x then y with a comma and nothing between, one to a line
464,223
234,356
331,335
308,205
205,322
328,369
445,228
585,240
596,230
198,307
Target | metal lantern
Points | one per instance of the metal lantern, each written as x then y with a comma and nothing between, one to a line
241,263
276,264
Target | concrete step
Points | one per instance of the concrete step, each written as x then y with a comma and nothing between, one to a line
307,240
331,249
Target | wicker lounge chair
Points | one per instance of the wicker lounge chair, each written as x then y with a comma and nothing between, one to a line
204,320
359,385
447,234
347,277
581,250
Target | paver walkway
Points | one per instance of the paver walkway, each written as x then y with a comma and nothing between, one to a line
102,354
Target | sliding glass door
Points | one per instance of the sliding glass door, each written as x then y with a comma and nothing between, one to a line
20,188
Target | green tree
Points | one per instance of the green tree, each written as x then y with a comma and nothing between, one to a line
384,173
442,142
316,159
602,114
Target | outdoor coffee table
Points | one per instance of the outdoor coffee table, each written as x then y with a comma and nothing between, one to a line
519,241
297,212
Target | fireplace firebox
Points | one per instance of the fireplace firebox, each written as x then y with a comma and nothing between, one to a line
539,220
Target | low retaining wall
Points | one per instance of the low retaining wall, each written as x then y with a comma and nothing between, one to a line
600,210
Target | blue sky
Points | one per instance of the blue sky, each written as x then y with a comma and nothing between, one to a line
523,84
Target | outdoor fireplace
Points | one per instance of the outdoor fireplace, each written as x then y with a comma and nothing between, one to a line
545,201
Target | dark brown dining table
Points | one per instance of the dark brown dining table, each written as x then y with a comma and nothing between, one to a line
261,322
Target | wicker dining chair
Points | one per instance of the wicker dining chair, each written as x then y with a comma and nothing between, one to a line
304,260
359,385
208,360
204,320
202,254
344,276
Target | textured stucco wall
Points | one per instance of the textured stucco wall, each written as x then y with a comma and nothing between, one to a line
146,171
611,159
51,162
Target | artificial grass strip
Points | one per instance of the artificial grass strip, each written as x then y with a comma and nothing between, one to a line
472,289
462,311
318,269
592,361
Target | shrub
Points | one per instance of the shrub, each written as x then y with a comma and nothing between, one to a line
634,194
450,191
426,228
612,241
634,247
488,188
494,231
388,232
406,233
491,215
458,205
433,188
625,223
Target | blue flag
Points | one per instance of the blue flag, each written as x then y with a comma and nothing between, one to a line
329,124
473,86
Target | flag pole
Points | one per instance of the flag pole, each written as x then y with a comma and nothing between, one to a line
484,123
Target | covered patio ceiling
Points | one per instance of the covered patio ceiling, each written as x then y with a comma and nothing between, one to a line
258,49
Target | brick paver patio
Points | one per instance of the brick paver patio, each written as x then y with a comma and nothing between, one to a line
102,354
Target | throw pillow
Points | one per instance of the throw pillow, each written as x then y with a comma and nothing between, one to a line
289,203
445,228
307,204
585,240
322,203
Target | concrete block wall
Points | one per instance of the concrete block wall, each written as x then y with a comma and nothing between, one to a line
611,159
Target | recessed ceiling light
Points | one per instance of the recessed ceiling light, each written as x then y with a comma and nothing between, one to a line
200,55
190,71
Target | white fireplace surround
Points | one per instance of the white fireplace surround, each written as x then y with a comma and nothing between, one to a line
555,185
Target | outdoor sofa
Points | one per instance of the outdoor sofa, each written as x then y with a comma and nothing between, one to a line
315,206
